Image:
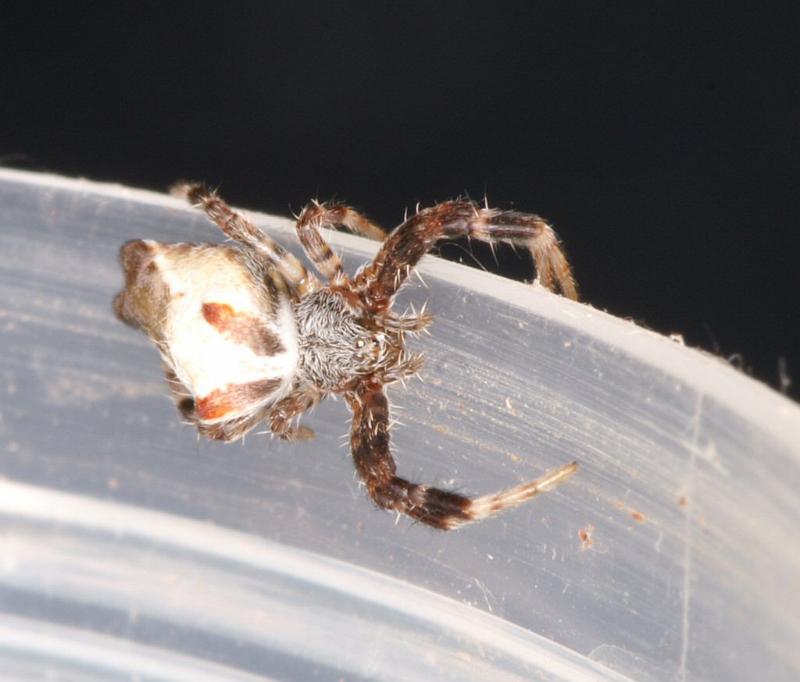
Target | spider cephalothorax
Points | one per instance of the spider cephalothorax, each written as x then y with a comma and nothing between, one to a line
339,345
247,334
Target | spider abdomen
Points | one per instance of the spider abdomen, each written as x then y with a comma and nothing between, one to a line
228,336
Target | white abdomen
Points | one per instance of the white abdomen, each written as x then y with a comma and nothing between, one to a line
231,343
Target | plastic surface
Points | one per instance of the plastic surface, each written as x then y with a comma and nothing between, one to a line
131,549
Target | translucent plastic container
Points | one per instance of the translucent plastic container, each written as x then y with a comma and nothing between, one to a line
133,550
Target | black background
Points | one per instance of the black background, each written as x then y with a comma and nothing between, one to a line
660,138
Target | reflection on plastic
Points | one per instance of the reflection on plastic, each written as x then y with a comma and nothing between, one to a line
130,548
304,606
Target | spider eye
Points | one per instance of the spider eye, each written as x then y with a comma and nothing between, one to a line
360,343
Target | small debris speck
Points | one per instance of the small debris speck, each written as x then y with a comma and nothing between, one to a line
585,535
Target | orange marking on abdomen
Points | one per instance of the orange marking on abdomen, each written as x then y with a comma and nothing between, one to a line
214,406
242,328
219,315
237,398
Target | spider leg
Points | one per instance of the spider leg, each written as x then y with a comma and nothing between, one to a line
315,216
403,248
413,323
237,227
281,415
330,213
438,508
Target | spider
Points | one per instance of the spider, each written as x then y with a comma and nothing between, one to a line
248,335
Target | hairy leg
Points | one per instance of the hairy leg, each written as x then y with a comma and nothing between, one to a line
328,215
237,227
282,415
403,248
435,507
